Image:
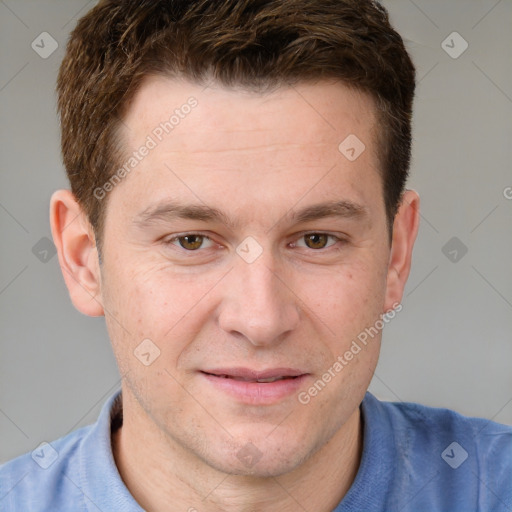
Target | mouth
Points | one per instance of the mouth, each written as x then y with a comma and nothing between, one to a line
256,386
245,379
262,376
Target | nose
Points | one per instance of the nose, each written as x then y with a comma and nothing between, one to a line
258,303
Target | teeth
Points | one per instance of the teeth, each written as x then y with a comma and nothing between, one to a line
271,379
262,381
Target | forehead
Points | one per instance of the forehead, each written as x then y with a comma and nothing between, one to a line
209,141
304,113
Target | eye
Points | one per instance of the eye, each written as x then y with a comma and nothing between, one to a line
190,241
316,240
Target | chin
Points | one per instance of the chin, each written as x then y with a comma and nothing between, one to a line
261,458
262,469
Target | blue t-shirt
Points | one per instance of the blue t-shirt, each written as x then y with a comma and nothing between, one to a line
415,459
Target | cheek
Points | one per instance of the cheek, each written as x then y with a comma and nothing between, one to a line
349,302
156,304
348,297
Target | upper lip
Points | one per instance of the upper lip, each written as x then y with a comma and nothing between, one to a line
248,373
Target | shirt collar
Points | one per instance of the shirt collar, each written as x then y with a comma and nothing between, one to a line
102,484
104,488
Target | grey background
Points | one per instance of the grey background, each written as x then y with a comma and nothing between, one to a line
451,344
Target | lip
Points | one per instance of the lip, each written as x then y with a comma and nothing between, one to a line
241,384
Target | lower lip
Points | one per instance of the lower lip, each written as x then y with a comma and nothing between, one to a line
257,392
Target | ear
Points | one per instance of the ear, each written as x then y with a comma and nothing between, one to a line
405,229
78,257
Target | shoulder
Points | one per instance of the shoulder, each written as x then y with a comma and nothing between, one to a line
431,424
78,468
450,459
42,479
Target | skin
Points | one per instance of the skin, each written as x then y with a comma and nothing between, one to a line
257,158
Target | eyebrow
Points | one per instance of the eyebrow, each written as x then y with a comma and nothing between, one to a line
170,210
342,209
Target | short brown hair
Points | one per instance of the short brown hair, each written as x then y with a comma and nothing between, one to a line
253,44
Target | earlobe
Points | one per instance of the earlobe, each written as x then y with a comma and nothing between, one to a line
405,229
78,257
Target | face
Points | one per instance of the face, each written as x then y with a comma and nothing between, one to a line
248,252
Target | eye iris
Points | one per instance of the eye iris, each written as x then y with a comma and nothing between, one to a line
191,242
316,240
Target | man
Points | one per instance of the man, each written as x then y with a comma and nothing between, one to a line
238,214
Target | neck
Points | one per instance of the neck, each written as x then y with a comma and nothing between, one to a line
159,471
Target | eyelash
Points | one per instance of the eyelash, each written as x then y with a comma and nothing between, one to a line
206,237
